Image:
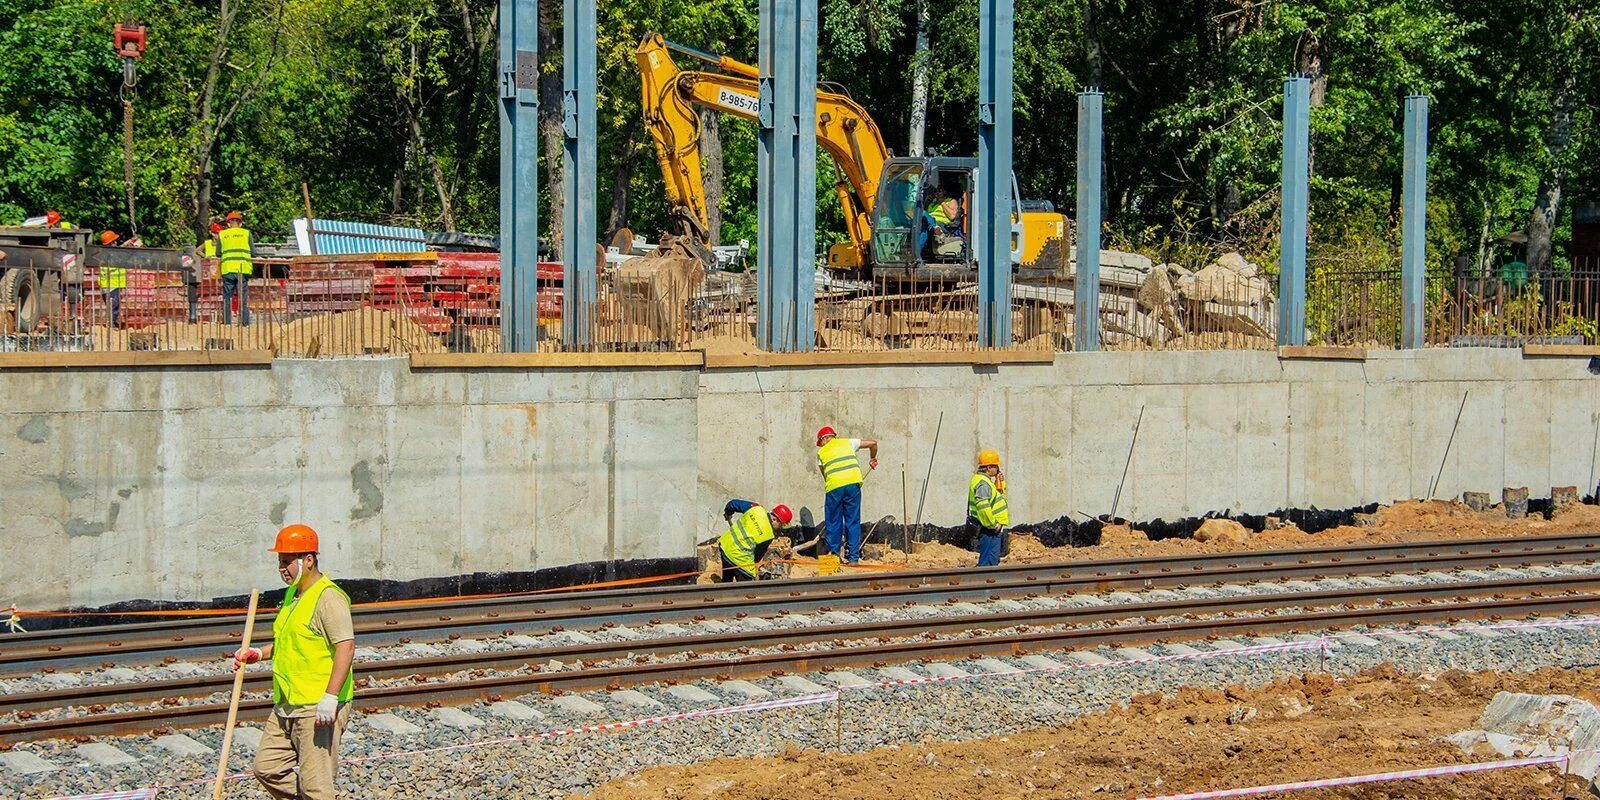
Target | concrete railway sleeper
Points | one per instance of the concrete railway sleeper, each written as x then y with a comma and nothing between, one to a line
137,643
494,688
732,655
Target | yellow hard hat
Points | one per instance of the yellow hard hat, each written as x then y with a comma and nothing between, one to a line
988,458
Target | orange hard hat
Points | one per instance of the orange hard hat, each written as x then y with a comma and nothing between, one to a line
783,514
296,539
988,458
52,216
107,237
826,430
234,215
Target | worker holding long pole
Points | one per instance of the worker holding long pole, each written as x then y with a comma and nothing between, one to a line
988,512
313,643
841,478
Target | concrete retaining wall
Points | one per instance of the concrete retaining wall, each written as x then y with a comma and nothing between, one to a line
175,492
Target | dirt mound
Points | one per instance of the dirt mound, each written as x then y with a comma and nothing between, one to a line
1225,531
1195,740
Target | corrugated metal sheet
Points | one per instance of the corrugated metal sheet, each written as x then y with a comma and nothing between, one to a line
338,237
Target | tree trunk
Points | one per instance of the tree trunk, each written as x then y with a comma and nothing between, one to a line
446,212
1091,31
1311,63
550,131
711,168
921,65
621,176
1547,205
207,122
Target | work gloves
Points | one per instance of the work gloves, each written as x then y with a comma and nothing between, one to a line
327,709
246,655
873,464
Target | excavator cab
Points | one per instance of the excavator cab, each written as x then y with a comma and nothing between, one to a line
922,219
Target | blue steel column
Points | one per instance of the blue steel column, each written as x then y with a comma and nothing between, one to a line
1414,224
579,225
992,225
519,174
1296,190
786,184
1086,283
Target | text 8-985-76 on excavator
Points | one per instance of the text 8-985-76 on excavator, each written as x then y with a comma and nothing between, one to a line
905,217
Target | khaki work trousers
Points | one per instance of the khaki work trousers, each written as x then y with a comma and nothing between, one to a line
298,741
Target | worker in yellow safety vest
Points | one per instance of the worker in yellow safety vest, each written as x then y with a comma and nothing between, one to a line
235,268
841,479
750,530
112,281
988,513
313,644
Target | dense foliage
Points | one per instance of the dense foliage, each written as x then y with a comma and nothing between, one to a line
386,109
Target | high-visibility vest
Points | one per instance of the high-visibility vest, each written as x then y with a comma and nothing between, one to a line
740,540
993,512
302,659
839,464
113,278
235,251
209,249
943,215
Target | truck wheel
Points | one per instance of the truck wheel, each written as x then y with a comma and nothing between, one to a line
19,293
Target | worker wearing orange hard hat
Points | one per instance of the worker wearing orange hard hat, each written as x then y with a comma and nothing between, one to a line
113,280
235,267
988,513
313,644
751,529
841,479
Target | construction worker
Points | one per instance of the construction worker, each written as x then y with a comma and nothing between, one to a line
235,268
841,479
313,643
52,219
745,542
112,281
988,513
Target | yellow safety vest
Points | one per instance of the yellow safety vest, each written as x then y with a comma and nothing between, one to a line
940,215
991,513
740,540
839,464
113,278
235,251
302,659
209,249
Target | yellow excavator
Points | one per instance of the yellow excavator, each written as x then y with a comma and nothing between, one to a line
895,209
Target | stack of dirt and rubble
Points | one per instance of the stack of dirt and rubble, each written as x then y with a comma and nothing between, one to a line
1297,729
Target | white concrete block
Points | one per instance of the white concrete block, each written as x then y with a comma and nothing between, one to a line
181,745
846,679
104,755
1181,649
994,666
636,699
247,738
23,762
513,710
579,706
392,724
1088,657
898,674
795,683
941,669
1133,654
1037,661
456,718
692,694
743,689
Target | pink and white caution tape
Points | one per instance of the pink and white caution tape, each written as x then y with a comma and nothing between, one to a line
136,794
1379,777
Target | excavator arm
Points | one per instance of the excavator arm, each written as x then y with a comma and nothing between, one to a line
672,99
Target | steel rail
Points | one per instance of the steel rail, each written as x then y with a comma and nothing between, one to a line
743,642
148,642
768,664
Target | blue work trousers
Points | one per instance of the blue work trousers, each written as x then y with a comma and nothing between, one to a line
843,521
236,283
990,543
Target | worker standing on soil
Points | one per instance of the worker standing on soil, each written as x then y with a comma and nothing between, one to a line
235,268
745,542
313,643
113,280
841,479
988,513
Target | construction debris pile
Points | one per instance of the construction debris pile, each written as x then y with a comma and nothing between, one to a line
1224,304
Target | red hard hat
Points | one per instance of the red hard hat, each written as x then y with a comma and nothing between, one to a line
216,228
296,539
783,514
826,430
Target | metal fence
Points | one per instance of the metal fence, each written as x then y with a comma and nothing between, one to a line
1502,305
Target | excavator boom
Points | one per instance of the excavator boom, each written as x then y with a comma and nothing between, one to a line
672,101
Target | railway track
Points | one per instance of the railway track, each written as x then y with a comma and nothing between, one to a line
766,653
155,642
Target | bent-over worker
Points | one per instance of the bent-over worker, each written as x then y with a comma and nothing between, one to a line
841,479
987,510
313,643
745,542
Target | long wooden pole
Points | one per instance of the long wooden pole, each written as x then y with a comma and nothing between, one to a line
233,705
